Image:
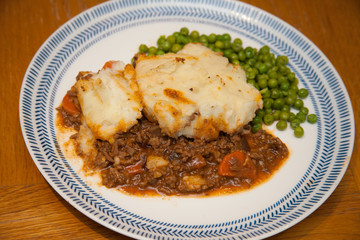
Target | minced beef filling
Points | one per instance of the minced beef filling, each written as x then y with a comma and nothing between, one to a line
131,150
186,165
69,120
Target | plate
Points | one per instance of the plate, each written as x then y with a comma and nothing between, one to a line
113,31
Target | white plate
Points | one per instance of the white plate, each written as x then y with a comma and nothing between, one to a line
113,31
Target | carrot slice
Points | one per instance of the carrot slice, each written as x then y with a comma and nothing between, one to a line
108,64
69,106
136,168
237,164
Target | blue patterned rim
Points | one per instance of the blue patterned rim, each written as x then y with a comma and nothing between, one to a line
335,136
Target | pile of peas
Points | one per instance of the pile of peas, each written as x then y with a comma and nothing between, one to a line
269,74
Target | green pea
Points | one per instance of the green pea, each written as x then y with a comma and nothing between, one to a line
303,93
227,53
275,93
268,119
285,108
304,110
257,119
250,74
184,31
268,64
194,34
279,103
171,39
143,48
295,123
264,50
312,118
226,37
285,93
284,115
267,58
160,52
301,116
256,127
286,71
182,40
152,50
295,81
233,56
265,93
284,85
236,47
165,45
291,76
290,100
262,83
251,61
272,74
276,114
256,85
246,67
235,62
298,131
176,34
263,68
298,104
273,83
274,69
252,82
219,37
219,44
260,112
212,38
257,64
227,44
242,56
293,93
238,41
249,52
294,87
281,79
292,116
203,40
160,40
268,111
267,103
176,47
281,125
282,60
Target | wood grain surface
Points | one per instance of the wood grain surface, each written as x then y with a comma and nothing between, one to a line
31,209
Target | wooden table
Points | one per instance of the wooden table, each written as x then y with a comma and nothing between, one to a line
30,208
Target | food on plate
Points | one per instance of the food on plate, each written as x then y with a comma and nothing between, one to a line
269,74
109,99
177,124
195,93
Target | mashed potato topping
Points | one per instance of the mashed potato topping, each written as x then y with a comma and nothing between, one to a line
196,93
109,99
